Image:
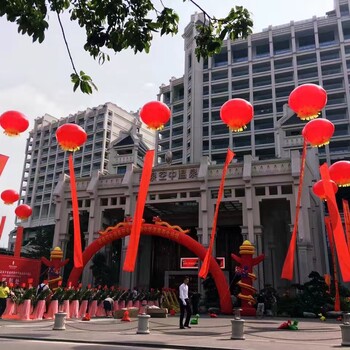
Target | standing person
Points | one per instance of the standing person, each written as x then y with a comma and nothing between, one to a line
4,293
108,305
184,304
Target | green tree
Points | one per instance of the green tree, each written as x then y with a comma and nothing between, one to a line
121,24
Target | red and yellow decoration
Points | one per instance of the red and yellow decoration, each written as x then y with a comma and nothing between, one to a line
246,262
318,189
9,196
71,137
340,173
155,114
236,114
13,123
318,132
307,101
23,211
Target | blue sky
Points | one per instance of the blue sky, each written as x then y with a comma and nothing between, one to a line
35,78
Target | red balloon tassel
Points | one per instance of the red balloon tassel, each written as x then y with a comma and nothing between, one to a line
18,244
2,225
338,232
205,266
3,161
78,255
131,253
288,266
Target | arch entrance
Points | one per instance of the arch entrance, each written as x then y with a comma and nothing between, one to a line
161,229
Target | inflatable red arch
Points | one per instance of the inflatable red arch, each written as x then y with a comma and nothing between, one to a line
164,230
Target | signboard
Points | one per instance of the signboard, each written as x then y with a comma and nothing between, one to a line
192,263
18,270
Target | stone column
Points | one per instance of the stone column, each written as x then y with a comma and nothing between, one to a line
258,251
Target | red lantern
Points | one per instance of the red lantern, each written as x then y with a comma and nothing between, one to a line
9,196
307,101
340,173
318,189
318,132
13,123
23,211
155,114
70,137
236,114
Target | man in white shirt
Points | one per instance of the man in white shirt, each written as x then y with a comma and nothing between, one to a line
184,304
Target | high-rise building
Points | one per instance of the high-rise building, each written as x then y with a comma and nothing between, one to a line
45,160
262,69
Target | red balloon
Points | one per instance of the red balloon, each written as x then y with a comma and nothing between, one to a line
339,172
307,101
9,196
70,137
155,114
318,189
236,114
23,211
318,132
13,123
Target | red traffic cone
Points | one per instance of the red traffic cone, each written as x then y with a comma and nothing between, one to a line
126,317
172,312
212,315
86,317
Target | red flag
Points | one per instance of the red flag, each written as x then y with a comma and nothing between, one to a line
2,224
288,266
329,230
206,262
3,161
338,232
18,244
78,255
347,221
133,246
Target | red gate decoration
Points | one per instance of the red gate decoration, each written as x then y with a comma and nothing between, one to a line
164,230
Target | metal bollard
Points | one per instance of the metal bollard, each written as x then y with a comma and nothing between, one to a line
60,321
237,324
143,324
345,330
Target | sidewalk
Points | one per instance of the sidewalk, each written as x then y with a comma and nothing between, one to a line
210,333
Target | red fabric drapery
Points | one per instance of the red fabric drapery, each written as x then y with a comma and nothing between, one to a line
2,224
288,266
205,266
77,255
18,244
347,221
133,246
3,161
338,232
329,230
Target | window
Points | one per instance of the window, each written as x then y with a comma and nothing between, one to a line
262,50
306,59
220,59
219,75
264,139
281,46
121,170
285,63
326,38
306,42
239,54
237,72
262,67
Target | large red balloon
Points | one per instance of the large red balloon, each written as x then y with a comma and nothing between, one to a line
23,211
318,189
339,172
236,114
13,123
9,196
307,101
70,137
155,114
318,132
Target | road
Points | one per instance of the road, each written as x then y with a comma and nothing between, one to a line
12,344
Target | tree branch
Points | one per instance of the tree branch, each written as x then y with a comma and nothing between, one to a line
204,12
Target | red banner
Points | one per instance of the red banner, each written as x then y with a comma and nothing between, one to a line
18,270
2,225
205,266
3,161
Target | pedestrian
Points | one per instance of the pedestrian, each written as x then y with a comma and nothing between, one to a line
261,305
184,304
41,287
108,305
4,293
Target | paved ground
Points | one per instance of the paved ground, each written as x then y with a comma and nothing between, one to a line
210,333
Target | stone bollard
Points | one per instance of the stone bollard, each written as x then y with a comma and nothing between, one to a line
60,321
237,324
143,324
345,330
